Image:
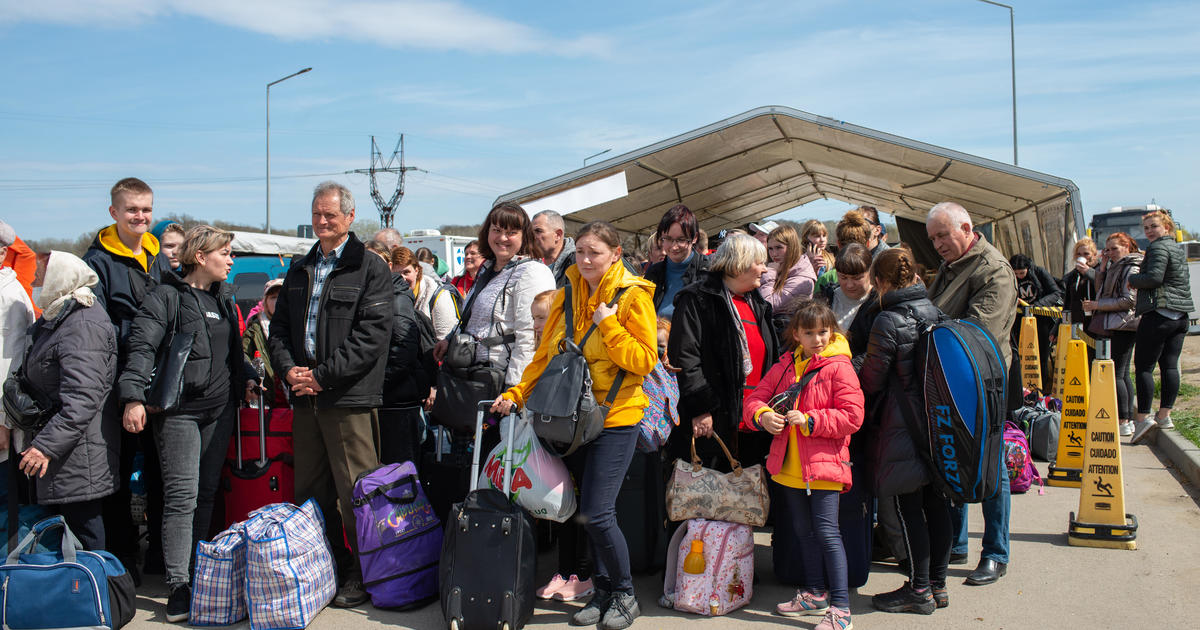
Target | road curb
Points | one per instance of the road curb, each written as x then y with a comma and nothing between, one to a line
1182,453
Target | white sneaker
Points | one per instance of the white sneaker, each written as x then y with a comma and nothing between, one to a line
1165,423
1125,428
1141,430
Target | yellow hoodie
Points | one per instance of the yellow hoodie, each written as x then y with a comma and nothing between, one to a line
627,340
112,242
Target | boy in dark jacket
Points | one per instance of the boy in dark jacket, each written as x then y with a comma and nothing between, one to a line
126,258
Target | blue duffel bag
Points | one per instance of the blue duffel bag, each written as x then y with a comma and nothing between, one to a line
68,588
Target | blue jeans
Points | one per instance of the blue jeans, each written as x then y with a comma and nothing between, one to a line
995,524
608,458
191,449
812,521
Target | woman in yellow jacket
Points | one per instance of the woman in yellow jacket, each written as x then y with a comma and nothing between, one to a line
625,339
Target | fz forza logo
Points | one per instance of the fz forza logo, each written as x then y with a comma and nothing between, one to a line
946,447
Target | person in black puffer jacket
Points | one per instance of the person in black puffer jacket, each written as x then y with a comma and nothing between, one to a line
193,437
408,375
888,372
1036,287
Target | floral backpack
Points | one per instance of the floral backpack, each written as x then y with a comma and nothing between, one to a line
1021,471
662,414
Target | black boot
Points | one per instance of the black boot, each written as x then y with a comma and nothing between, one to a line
987,572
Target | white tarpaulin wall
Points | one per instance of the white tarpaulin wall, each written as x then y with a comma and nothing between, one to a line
771,159
256,243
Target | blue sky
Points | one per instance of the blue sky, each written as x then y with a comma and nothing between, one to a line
496,96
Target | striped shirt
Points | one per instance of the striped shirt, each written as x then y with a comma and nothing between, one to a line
325,265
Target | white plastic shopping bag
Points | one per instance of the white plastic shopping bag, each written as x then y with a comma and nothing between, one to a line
540,481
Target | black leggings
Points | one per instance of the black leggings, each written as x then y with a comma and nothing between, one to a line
1122,354
1159,341
925,521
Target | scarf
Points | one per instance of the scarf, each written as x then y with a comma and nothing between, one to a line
68,279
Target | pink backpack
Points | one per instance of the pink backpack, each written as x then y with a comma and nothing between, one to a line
1021,471
728,579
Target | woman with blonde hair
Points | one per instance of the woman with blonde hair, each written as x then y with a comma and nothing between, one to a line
722,342
789,278
193,437
1164,299
815,239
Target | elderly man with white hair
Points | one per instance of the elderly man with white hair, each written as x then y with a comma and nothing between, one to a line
975,280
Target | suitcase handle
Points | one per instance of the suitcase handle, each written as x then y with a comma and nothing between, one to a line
382,491
483,407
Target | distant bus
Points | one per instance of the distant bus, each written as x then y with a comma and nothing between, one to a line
1127,219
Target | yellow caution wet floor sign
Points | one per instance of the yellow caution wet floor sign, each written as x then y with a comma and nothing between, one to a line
1067,465
1102,521
1031,359
1060,359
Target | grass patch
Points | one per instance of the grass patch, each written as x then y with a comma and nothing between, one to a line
1188,425
1186,390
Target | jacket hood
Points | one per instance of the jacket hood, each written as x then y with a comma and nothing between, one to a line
906,294
567,250
66,276
839,346
617,277
108,240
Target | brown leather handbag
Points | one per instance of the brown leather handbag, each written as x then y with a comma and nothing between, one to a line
736,497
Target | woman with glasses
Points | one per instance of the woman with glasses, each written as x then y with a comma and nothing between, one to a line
677,231
472,259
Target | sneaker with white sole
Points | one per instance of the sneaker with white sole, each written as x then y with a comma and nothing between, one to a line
1141,430
1165,423
1125,428
835,619
574,589
550,590
804,603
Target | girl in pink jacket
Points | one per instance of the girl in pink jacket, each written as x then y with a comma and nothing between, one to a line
811,402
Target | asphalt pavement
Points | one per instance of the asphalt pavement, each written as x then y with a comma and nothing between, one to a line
1049,583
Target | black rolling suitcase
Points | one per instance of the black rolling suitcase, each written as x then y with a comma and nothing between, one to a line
489,554
642,513
856,520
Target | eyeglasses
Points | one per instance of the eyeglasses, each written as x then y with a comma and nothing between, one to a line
673,242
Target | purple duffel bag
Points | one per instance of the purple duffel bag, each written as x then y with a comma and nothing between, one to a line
399,537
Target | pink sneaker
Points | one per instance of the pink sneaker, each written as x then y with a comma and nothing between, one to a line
804,603
835,619
574,589
550,590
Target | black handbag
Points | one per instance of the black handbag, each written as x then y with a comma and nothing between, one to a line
166,381
459,391
27,408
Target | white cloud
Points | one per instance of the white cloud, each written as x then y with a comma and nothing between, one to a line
421,24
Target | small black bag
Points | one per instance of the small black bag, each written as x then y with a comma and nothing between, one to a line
27,408
166,381
561,407
459,392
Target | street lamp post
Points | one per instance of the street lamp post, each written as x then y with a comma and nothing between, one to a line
1012,43
585,160
269,141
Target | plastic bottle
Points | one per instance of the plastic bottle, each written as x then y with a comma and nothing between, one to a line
694,562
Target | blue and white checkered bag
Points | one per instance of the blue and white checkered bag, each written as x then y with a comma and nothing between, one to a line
219,586
290,575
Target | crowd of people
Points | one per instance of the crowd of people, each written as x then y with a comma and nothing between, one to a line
360,338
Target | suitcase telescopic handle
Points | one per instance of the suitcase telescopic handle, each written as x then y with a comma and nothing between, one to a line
482,408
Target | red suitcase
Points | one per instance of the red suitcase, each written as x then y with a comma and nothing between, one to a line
259,468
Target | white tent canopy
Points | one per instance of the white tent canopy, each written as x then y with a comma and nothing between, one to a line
260,243
771,159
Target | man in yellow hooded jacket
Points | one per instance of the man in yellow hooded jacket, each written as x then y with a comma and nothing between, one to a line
625,339
127,260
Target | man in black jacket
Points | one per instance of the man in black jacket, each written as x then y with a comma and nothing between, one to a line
126,258
329,338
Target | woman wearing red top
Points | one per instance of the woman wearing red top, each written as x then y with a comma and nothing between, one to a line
471,261
722,342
